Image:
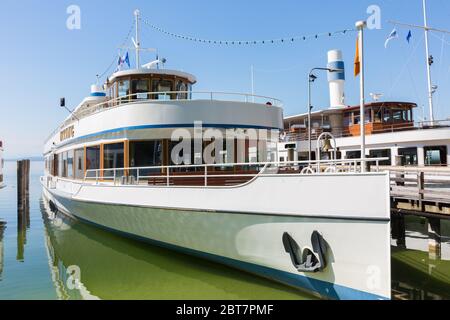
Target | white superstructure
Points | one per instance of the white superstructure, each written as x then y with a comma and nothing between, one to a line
391,130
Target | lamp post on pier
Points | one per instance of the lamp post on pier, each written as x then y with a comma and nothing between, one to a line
311,79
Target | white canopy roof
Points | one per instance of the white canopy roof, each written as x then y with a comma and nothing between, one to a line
130,72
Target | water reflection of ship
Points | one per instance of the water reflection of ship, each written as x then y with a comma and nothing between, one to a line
112,268
23,224
417,272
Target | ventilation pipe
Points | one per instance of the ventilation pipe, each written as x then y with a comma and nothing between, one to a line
336,80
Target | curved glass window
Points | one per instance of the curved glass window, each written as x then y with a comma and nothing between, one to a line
140,89
124,90
160,87
181,87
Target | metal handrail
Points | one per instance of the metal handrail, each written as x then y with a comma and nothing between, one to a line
185,96
390,128
165,171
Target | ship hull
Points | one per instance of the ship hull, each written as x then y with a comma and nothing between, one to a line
358,255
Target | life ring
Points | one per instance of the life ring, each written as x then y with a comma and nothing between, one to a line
307,170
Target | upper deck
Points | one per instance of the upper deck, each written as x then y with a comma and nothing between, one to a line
380,117
161,99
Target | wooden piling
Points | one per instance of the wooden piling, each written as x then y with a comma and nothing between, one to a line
399,230
434,238
23,205
23,185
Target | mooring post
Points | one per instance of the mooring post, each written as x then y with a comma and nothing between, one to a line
421,189
23,205
23,185
399,230
434,238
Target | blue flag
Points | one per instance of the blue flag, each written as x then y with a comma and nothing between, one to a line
409,36
127,60
122,60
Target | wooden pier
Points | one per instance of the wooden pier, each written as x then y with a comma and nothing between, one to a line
420,191
423,192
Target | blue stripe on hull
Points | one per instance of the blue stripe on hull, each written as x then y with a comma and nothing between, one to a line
323,288
166,126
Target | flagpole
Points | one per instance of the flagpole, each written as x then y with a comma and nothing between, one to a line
427,50
137,44
360,25
252,71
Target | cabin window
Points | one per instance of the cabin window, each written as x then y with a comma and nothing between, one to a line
124,90
92,159
185,157
181,86
63,165
112,91
140,89
70,155
160,87
408,156
435,156
386,115
303,156
353,154
348,119
56,166
189,88
145,154
377,115
79,163
113,158
381,153
400,115
367,117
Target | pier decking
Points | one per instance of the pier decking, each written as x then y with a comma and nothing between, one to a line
424,191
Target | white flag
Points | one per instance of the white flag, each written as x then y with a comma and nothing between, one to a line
392,35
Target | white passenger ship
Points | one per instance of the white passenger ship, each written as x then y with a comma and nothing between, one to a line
115,163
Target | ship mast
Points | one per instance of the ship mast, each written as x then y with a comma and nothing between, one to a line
428,62
137,40
137,44
429,58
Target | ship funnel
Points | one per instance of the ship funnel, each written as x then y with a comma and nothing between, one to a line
336,80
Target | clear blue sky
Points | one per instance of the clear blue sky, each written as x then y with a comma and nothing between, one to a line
41,60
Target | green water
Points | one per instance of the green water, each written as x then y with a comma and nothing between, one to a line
38,256
111,267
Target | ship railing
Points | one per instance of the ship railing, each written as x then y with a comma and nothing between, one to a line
145,97
343,132
167,96
225,174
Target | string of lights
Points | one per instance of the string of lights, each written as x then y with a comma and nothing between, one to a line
248,42
114,61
